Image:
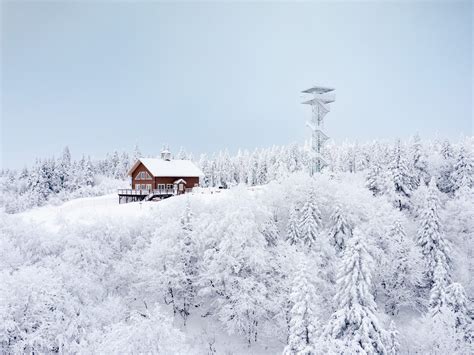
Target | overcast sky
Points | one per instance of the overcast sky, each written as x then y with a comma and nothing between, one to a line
208,76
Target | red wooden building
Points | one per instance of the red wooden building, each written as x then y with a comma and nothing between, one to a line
154,178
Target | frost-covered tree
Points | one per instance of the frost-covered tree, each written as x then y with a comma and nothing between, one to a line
310,221
373,179
182,154
393,346
189,263
147,332
402,179
400,275
293,234
433,245
304,324
419,162
340,230
440,283
355,320
457,302
444,180
463,171
236,270
64,168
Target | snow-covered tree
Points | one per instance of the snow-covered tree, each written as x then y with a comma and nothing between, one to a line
293,234
440,283
457,302
189,263
182,154
310,221
147,332
340,230
373,179
463,171
402,178
393,344
355,320
64,168
434,247
419,162
304,324
401,271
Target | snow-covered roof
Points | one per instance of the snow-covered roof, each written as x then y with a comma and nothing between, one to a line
318,90
169,168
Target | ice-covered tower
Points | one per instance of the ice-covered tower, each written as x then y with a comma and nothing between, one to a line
321,98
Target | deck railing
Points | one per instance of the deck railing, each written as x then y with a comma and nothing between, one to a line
145,192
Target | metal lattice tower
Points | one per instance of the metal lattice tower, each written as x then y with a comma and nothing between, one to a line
321,98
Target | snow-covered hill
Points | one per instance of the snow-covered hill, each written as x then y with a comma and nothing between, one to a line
223,272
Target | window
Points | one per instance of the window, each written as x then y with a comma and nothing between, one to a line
160,186
143,175
169,186
148,186
137,186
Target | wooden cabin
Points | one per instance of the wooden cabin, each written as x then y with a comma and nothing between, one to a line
158,178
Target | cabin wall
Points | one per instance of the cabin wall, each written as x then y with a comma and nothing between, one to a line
190,181
139,169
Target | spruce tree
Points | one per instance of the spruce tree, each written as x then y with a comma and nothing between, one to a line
189,261
402,178
304,324
373,179
340,229
393,347
463,171
420,164
399,281
355,320
433,246
456,300
310,220
439,284
293,234
444,180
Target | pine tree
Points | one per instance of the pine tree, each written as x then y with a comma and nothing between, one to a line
456,300
262,170
340,229
293,234
304,324
136,154
434,248
64,168
88,172
444,180
400,279
463,171
270,231
420,164
373,179
310,220
439,285
393,347
402,178
189,261
182,154
355,320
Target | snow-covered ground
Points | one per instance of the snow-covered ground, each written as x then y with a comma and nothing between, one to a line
91,275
